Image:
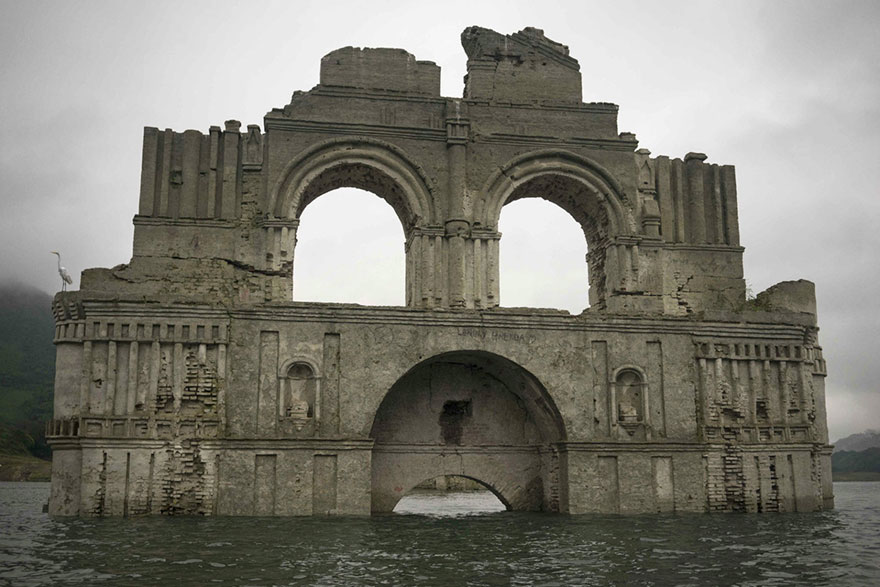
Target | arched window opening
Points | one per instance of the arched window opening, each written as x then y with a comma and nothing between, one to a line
450,495
542,257
349,248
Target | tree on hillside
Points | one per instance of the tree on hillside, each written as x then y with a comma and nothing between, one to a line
27,367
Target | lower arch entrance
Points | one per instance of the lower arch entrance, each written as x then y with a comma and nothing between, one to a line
451,495
469,414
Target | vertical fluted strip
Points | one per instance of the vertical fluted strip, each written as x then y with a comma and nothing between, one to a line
696,198
149,163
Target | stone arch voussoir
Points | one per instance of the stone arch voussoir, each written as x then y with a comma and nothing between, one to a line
594,178
286,200
580,186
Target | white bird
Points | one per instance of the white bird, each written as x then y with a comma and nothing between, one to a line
65,276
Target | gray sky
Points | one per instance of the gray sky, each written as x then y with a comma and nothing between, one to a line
789,92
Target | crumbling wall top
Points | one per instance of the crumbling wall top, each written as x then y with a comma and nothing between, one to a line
789,296
479,42
392,70
519,68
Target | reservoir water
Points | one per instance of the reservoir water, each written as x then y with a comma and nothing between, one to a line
450,539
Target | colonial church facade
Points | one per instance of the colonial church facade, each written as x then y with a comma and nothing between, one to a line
188,382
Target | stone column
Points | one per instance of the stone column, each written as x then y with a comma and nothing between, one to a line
485,256
457,226
423,275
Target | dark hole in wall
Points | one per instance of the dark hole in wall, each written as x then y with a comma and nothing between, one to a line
761,410
452,420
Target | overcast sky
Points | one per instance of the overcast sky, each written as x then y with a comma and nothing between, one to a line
789,92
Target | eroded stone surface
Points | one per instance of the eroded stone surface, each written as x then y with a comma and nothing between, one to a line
188,382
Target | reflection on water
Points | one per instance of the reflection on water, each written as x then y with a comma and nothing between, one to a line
442,504
421,548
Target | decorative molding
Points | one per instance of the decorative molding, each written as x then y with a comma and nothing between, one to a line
625,145
357,129
141,220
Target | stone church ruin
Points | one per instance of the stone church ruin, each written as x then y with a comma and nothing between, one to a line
188,382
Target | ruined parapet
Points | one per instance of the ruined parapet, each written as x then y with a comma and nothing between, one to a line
191,175
198,202
696,201
522,67
389,70
687,213
797,297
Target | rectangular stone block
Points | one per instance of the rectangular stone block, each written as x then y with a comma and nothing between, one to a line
324,485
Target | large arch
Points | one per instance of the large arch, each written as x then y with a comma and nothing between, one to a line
543,244
355,257
357,162
599,191
361,162
578,185
473,414
446,478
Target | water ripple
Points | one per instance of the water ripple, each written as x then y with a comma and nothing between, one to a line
442,542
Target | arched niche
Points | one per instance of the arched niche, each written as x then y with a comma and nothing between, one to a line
629,398
578,185
472,414
299,397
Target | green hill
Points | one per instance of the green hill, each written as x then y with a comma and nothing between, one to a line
27,369
863,465
863,461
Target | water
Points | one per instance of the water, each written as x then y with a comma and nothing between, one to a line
436,544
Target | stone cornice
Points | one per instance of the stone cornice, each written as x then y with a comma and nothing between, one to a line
548,141
590,107
406,448
271,445
140,220
355,129
471,321
440,135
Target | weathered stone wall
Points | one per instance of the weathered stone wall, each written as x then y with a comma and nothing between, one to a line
188,382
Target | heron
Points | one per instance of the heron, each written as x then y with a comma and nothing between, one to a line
62,271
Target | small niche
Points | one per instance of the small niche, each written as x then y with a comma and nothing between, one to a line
298,397
761,410
630,397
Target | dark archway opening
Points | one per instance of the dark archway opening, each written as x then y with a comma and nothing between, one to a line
469,414
451,495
